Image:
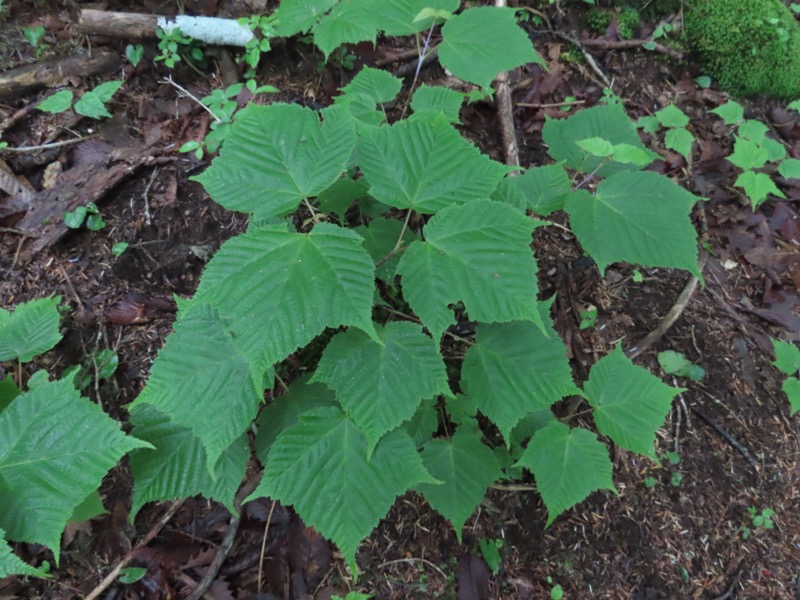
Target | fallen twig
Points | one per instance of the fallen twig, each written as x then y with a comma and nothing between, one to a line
154,531
727,437
28,149
626,44
589,58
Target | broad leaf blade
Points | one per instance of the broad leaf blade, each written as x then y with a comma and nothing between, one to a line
568,464
466,468
201,362
470,48
276,155
540,189
11,564
380,385
787,357
791,387
349,22
478,253
177,467
606,121
298,16
376,84
425,165
282,289
30,330
630,403
380,238
320,466
55,449
438,99
514,370
397,17
647,217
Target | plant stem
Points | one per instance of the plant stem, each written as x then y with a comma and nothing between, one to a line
399,244
419,67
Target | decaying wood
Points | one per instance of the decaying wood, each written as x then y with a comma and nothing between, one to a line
55,72
211,30
505,113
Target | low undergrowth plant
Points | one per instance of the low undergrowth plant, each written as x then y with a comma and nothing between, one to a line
386,296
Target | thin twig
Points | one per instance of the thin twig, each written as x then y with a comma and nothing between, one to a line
626,44
550,104
188,94
727,437
145,197
28,149
519,487
419,67
264,545
505,113
412,560
156,529
589,58
227,542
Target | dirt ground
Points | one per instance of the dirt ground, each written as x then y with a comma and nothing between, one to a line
677,527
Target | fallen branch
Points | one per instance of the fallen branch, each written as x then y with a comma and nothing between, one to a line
626,44
589,58
505,113
727,437
210,30
112,576
28,149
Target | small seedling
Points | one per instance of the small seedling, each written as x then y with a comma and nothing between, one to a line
556,591
131,575
787,361
490,550
758,520
87,215
134,53
568,102
675,363
118,249
588,318
650,482
34,35
170,43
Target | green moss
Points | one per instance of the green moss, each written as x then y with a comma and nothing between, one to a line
749,47
598,20
628,21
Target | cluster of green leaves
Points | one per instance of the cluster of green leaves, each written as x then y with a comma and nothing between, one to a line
263,31
88,215
787,361
368,242
55,446
754,152
92,104
172,43
750,47
674,120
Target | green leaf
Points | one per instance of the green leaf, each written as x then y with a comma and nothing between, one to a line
320,466
753,130
438,99
276,155
8,391
731,112
758,186
470,47
177,466
775,150
349,22
56,103
298,16
285,410
794,105
381,384
789,168
283,289
680,140
630,403
201,361
672,116
131,575
568,464
628,154
397,18
340,195
648,124
91,507
748,154
376,84
514,370
106,90
647,217
675,363
540,189
11,564
787,357
423,424
607,121
380,238
93,103
30,330
791,387
478,253
55,448
425,165
596,146
466,469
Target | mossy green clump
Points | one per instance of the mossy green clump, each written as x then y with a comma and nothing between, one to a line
750,47
598,19
628,22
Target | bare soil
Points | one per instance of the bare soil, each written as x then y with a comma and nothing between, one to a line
673,531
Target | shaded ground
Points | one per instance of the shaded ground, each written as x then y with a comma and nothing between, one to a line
674,530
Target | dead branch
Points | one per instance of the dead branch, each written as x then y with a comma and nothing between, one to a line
52,73
505,113
626,44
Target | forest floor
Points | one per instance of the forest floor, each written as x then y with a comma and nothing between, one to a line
679,527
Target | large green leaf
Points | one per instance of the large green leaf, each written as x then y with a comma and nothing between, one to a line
787,357
637,217
11,564
380,239
55,449
349,22
438,99
285,410
608,122
397,17
424,164
481,42
540,189
177,467
203,383
568,464
630,403
320,466
514,370
380,385
376,84
298,16
282,289
30,330
478,253
276,155
466,468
